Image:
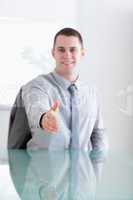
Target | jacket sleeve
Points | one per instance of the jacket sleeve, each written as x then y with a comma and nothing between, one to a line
19,132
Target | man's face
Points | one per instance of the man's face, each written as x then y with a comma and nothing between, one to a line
67,53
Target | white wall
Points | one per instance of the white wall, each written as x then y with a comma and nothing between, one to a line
108,30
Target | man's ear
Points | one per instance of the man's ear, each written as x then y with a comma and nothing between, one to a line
52,52
83,52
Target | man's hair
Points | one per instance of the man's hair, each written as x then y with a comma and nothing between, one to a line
69,32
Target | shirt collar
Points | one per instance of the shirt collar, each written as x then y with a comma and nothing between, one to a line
64,82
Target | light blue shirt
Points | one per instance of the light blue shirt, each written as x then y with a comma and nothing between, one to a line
39,95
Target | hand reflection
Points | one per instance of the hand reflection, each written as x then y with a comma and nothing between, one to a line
54,175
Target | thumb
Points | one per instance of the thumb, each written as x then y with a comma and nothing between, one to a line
56,106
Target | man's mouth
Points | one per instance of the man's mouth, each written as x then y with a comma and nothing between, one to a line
67,63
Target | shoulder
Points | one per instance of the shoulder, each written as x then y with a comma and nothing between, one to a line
88,88
42,81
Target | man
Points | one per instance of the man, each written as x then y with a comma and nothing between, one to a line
62,111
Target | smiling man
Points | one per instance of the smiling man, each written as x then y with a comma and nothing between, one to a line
62,111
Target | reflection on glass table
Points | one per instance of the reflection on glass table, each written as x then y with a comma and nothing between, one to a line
69,175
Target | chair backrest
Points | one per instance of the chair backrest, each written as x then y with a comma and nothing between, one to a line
19,132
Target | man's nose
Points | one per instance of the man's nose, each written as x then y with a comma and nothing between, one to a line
67,54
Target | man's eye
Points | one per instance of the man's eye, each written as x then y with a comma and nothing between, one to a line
73,50
61,50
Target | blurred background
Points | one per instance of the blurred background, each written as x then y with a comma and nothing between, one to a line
27,29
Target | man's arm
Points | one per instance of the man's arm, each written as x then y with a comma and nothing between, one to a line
36,103
99,143
99,138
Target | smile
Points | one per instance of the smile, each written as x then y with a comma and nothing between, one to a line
67,63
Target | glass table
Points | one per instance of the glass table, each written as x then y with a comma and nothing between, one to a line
65,175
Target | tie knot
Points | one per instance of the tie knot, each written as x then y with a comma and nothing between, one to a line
72,89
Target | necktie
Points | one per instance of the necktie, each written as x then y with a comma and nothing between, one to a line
73,174
74,142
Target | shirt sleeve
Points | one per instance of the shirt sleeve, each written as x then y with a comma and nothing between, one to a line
36,103
99,138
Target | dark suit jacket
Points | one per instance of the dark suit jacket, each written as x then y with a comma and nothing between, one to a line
19,132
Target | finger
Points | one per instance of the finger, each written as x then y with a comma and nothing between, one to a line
56,106
51,116
51,122
52,125
50,129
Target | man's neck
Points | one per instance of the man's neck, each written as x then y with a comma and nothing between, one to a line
70,77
